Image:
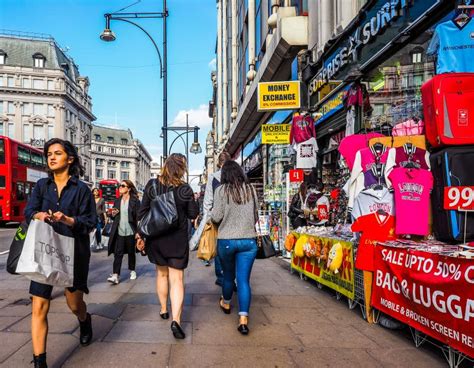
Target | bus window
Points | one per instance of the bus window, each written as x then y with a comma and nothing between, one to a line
37,159
2,181
2,151
23,156
20,191
27,191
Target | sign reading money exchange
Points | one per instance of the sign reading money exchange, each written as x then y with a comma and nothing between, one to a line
278,96
385,21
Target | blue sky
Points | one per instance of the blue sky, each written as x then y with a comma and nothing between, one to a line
124,75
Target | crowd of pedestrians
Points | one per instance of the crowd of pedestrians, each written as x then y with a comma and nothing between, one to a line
72,209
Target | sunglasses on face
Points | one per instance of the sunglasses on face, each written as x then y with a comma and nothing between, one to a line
123,186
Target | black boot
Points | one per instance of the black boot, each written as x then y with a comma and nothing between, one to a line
86,331
40,361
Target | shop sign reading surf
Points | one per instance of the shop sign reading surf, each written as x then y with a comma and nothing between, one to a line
278,96
362,36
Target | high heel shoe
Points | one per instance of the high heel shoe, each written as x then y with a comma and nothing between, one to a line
225,310
178,332
164,315
243,329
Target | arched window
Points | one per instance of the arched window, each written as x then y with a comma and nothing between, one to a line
39,60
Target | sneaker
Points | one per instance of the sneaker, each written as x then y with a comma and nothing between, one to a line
114,279
133,275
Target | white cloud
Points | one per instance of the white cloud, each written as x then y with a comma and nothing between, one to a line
155,151
196,116
212,64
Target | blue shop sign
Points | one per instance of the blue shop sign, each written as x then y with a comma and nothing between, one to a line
330,107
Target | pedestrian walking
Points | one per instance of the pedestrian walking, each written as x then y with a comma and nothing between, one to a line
170,251
235,212
100,209
296,213
213,182
124,228
66,203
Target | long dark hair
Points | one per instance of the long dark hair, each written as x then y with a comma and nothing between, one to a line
132,190
173,171
75,168
235,183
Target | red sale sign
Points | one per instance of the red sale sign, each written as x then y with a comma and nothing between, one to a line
459,198
431,293
296,176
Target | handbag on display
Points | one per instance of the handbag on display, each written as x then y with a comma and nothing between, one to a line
265,248
207,248
16,247
47,257
162,216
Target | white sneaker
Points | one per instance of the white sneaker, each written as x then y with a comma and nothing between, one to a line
133,275
114,279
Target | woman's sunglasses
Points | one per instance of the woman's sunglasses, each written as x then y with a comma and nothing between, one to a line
123,186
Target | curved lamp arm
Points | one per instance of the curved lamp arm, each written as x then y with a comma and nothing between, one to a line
180,135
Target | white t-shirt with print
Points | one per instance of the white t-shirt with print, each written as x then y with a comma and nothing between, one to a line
306,154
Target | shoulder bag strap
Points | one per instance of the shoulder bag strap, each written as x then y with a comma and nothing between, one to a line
259,240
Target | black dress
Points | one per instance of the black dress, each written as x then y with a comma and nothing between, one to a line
171,249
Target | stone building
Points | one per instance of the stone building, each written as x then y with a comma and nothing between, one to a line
116,154
43,95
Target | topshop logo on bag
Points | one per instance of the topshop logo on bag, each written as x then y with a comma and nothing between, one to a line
53,251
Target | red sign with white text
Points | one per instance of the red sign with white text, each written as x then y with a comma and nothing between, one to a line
429,292
459,198
296,176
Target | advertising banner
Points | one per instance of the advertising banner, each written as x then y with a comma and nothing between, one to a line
339,276
279,96
276,133
432,293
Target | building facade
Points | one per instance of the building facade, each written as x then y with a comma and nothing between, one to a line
43,95
116,154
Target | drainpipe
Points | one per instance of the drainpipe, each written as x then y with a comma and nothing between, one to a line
225,65
219,73
234,60
251,73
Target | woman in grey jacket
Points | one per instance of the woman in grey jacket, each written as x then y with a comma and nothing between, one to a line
234,210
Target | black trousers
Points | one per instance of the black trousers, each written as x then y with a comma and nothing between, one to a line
124,245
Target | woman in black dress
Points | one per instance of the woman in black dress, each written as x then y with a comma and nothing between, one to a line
67,204
170,251
122,236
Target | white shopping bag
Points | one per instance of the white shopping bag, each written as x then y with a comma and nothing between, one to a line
47,257
93,239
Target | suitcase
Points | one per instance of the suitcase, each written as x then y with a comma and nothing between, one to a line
451,166
448,106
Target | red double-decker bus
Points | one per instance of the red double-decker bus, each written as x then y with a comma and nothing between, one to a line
109,191
21,166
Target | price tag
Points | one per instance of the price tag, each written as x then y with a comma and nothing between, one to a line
459,198
296,176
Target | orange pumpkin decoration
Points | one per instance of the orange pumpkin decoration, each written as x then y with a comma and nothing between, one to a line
290,242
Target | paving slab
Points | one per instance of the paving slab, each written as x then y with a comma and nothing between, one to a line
101,326
63,323
5,322
15,311
213,299
139,298
334,357
409,357
112,355
213,314
102,297
293,315
228,356
148,332
111,311
10,343
292,300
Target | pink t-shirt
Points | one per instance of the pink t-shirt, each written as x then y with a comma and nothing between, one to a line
412,200
353,143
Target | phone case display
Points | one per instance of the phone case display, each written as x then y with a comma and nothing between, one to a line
350,145
307,154
453,166
452,44
448,105
372,200
375,227
412,189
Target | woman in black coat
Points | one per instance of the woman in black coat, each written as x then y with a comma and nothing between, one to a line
170,251
124,228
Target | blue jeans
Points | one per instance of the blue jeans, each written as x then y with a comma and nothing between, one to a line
98,233
218,269
237,257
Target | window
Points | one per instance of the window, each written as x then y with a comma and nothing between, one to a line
416,57
50,85
26,108
3,57
99,148
26,83
98,173
1,107
23,155
124,175
112,150
124,141
111,174
38,60
98,137
38,83
1,80
11,130
38,109
38,131
1,133
20,191
27,133
50,131
10,81
125,164
2,150
11,108
50,110
37,159
110,139
126,152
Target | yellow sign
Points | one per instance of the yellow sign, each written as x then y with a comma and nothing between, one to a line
276,133
279,96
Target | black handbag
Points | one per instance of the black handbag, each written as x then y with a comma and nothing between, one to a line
16,248
265,248
107,229
162,216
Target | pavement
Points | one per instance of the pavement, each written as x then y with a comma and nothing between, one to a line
6,235
292,324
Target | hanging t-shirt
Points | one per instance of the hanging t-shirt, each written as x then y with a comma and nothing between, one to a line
350,145
454,46
375,227
412,189
371,200
302,129
307,154
406,156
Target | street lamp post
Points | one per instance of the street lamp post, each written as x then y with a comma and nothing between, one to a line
108,36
